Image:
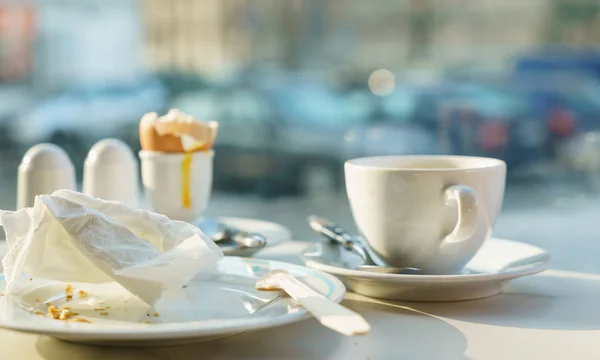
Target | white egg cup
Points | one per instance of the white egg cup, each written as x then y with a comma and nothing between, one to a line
173,191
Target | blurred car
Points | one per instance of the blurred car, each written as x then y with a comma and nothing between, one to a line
274,138
84,114
246,158
520,118
569,103
105,108
390,130
482,120
559,60
563,86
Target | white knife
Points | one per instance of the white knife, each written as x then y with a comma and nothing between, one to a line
328,312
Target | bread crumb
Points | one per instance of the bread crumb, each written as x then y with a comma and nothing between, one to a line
102,308
53,312
69,292
145,322
82,294
37,312
65,314
48,303
30,279
80,319
104,313
61,313
1,294
155,314
38,300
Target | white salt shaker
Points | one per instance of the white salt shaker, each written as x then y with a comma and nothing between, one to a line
111,173
43,169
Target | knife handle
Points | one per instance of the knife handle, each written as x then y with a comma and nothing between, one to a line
328,312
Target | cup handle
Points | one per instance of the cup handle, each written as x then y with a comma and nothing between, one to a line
468,213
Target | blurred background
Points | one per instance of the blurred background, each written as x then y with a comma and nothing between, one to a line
300,86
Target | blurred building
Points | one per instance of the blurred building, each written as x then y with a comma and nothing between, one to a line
17,31
329,34
86,41
109,40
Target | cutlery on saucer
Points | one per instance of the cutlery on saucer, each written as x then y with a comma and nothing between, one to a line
222,233
336,234
328,312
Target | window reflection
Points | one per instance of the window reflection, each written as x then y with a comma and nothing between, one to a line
301,86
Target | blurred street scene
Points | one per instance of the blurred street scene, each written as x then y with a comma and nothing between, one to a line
300,86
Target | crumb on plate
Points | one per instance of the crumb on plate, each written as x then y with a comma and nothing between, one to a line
69,292
37,299
155,314
53,312
30,279
82,294
37,312
48,303
145,322
61,313
66,314
104,313
102,308
80,319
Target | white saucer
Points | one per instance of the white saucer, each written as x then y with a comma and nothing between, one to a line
215,306
274,233
496,262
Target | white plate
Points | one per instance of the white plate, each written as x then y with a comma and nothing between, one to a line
487,273
274,233
217,305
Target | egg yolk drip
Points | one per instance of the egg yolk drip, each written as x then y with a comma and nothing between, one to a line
186,166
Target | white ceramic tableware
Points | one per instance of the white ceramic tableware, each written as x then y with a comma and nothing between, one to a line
178,185
111,173
216,305
43,169
427,212
485,275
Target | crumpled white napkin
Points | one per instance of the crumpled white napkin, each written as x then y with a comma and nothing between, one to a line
71,237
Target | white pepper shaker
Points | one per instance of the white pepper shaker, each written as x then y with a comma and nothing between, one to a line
111,173
44,169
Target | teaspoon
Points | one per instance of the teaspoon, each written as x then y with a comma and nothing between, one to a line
336,234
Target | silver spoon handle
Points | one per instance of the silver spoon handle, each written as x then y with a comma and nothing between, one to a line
248,240
337,234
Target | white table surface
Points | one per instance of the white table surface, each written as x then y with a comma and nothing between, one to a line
553,315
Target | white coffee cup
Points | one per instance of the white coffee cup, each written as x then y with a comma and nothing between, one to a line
174,191
429,212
